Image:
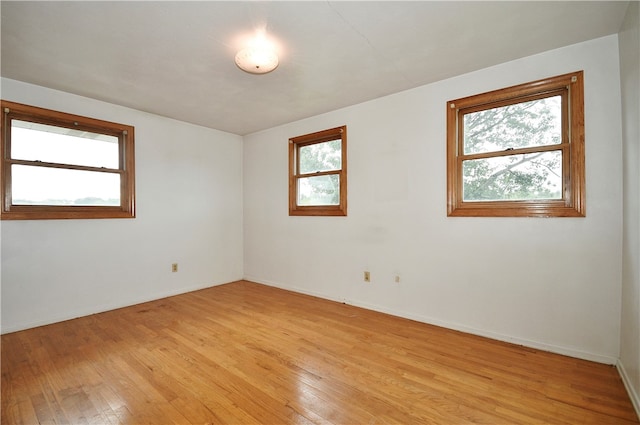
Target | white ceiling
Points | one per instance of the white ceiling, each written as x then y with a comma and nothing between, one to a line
176,59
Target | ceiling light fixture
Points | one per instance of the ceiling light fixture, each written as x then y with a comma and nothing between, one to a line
259,57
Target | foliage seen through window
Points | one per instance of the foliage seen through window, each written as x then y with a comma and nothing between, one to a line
518,151
317,173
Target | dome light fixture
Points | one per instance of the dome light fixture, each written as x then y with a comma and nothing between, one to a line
259,57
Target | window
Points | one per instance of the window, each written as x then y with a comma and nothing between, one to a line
318,173
519,151
57,166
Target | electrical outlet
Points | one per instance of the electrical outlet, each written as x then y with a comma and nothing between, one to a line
174,267
367,277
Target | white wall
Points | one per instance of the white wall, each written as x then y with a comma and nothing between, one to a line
630,320
548,283
189,211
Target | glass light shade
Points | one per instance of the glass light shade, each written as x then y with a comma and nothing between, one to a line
257,60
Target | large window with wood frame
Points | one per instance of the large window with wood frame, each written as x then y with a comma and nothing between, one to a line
318,173
518,151
60,166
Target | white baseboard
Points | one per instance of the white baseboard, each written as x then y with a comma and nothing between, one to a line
633,394
566,351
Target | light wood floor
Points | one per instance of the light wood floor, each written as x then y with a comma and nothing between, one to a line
246,353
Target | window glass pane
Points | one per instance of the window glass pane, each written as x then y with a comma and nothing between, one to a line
55,186
521,125
40,142
320,190
326,156
514,177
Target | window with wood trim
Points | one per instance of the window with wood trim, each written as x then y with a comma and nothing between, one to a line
518,151
61,166
318,173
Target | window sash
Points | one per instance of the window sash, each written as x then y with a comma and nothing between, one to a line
551,183
564,122
304,170
101,187
38,142
320,200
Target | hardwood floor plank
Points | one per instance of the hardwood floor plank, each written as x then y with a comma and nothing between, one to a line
245,353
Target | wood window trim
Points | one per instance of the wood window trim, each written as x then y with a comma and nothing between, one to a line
126,170
573,202
308,139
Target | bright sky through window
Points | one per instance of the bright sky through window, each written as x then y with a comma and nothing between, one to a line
57,165
35,185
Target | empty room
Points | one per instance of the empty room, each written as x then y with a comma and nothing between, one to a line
320,212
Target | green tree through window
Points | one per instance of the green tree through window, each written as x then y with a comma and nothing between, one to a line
316,158
535,175
317,173
518,151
